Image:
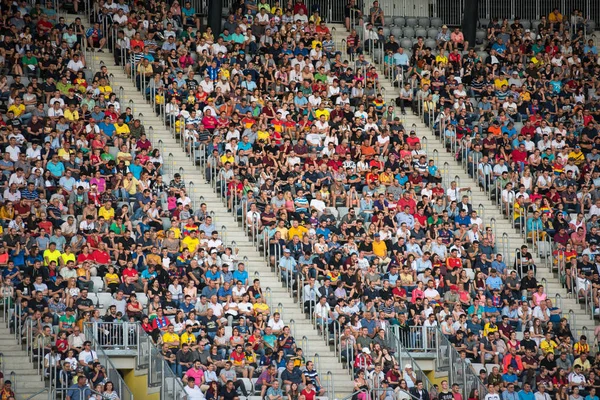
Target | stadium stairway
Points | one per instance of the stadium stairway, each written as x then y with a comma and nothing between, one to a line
449,167
256,264
18,368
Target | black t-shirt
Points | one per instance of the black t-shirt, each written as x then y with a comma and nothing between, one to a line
445,396
528,344
26,290
228,395
36,305
210,324
84,302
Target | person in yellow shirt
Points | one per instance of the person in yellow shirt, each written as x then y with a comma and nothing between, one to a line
71,114
556,19
171,339
191,242
17,108
130,183
122,132
441,59
107,211
501,81
547,345
322,111
51,254
379,247
124,155
105,88
227,158
263,134
188,337
296,230
260,307
577,156
488,328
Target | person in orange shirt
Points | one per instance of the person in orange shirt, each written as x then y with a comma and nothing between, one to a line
366,149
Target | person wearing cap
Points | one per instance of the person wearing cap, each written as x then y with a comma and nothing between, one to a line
443,39
287,265
409,375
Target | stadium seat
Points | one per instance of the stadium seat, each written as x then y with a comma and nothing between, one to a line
98,284
424,22
408,32
432,33
422,32
399,21
412,22
437,22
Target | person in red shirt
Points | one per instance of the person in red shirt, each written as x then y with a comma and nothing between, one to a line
412,140
130,272
453,261
519,156
44,26
405,201
309,391
85,255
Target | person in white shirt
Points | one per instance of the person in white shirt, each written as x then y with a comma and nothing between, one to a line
541,393
193,391
492,394
276,323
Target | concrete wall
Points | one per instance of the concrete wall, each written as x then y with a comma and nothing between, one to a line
138,385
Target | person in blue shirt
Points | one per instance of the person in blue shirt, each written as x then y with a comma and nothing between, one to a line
494,281
249,83
11,272
107,127
56,167
224,292
240,274
462,219
136,168
510,376
213,274
526,393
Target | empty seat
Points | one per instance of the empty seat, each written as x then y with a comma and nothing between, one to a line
98,284
166,222
386,31
406,43
534,24
424,22
436,22
388,20
483,55
104,300
526,24
248,385
142,298
431,43
408,32
422,32
432,33
397,32
591,26
399,21
480,36
412,21
484,22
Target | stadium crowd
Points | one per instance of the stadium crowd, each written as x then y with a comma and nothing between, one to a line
355,213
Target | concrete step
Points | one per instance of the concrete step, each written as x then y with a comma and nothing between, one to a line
290,309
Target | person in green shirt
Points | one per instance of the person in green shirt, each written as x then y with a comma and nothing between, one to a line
67,321
30,63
